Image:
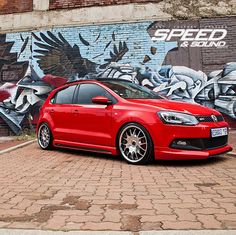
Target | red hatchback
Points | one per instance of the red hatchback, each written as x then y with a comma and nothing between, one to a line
120,117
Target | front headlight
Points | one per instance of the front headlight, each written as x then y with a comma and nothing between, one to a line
177,118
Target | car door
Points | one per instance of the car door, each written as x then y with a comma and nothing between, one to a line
61,111
92,122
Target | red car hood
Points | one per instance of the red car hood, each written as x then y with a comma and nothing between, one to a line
170,105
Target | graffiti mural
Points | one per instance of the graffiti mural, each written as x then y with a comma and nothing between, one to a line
34,63
217,90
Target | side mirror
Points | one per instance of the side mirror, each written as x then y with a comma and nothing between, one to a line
101,100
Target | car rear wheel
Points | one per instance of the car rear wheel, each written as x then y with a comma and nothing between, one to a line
44,136
135,144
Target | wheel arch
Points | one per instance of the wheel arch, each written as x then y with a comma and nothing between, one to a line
131,122
50,135
45,120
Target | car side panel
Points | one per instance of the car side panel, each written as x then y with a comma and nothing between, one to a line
123,114
92,124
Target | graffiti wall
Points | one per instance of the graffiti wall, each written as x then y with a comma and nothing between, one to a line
173,58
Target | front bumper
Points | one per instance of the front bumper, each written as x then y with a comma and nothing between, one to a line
165,136
177,154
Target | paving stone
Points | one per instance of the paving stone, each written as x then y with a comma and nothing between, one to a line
181,225
209,222
70,190
101,226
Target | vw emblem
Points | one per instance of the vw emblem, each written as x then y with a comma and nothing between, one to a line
214,118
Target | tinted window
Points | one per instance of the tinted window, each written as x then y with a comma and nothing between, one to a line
65,96
128,90
88,91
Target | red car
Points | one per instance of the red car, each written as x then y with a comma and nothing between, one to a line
120,117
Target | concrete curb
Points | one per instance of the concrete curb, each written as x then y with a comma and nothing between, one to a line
161,232
17,146
47,232
231,153
189,232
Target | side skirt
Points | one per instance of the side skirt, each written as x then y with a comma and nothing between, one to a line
85,147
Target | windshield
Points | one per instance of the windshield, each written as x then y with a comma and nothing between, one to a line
128,90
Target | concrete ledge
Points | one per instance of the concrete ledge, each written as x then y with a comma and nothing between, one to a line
41,232
190,232
162,232
231,153
17,146
82,16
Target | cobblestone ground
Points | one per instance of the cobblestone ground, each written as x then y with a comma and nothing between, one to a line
70,190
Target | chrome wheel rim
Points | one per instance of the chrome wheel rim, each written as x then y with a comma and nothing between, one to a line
133,144
44,136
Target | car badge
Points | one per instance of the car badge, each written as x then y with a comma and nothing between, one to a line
214,118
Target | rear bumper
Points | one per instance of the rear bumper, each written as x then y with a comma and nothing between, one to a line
177,154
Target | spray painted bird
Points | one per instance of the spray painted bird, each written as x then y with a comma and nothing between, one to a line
57,57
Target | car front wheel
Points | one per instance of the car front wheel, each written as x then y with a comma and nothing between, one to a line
44,136
135,144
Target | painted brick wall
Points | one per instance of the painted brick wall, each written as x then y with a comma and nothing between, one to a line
15,6
63,4
206,59
89,52
4,129
213,59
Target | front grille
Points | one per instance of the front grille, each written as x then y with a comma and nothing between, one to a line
216,142
200,144
209,118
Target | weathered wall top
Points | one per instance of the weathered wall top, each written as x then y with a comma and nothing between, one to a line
65,4
188,9
181,9
58,13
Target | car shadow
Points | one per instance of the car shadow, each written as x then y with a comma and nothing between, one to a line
191,163
79,153
168,163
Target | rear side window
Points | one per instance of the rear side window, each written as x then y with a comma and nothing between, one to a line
87,91
65,96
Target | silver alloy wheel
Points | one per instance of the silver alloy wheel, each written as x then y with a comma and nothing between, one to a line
44,136
133,143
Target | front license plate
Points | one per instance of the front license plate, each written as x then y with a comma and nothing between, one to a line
216,132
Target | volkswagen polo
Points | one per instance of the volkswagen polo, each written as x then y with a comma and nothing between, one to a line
121,117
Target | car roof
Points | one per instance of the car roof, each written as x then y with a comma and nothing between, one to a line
99,80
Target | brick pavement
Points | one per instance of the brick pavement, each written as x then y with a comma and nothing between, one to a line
232,139
71,190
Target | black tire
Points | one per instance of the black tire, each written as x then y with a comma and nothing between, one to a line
135,144
45,137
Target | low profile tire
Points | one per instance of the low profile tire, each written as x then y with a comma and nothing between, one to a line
135,144
44,136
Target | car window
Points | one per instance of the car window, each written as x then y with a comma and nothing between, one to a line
128,90
88,90
65,96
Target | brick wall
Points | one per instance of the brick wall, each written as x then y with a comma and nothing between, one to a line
4,129
15,6
215,59
206,59
62,4
91,46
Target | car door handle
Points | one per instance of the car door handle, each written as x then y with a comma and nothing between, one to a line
51,110
76,111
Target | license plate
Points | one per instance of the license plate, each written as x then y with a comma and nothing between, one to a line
216,132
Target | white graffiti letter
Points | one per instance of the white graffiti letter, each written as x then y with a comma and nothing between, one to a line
175,33
188,35
223,33
160,34
202,35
